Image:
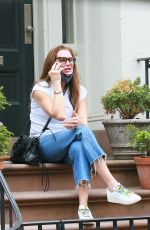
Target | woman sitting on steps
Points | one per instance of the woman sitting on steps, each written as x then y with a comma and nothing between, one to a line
68,138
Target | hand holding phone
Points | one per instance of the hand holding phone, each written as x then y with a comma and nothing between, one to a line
55,72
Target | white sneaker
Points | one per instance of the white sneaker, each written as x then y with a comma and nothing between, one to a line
121,195
84,213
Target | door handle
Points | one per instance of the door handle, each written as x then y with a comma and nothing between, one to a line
28,28
1,60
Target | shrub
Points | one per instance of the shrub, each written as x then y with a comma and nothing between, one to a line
139,139
3,100
5,139
127,97
5,135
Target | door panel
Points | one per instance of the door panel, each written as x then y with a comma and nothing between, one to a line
16,73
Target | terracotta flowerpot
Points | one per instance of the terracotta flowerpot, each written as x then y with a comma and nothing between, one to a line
1,165
143,169
5,158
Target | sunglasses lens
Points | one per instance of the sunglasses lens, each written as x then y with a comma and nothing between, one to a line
64,60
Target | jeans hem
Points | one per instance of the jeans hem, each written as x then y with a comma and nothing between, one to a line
93,166
80,184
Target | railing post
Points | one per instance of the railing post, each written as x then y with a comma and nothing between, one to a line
131,224
10,216
2,207
5,189
115,227
147,66
148,223
59,226
97,225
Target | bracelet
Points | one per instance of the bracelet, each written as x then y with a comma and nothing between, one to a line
57,91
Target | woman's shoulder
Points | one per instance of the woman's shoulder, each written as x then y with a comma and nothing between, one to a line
41,85
83,92
83,89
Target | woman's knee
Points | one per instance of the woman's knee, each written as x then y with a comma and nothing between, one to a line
75,150
83,131
83,128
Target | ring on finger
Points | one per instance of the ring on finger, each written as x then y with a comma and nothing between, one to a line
54,66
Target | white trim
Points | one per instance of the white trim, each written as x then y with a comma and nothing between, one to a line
45,25
98,117
74,21
35,41
53,22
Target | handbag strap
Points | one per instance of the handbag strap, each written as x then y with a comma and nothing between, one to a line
47,123
27,128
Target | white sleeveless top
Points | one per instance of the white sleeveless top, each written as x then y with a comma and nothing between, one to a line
39,117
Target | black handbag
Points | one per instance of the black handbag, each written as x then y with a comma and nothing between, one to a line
26,150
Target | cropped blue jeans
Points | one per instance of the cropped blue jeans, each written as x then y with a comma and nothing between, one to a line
77,147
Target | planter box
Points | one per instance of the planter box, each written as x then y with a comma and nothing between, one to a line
119,138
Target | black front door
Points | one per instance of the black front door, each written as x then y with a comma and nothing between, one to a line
16,61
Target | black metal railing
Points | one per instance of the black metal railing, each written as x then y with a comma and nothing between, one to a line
147,66
97,224
40,224
11,218
114,221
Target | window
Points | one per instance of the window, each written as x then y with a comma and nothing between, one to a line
67,21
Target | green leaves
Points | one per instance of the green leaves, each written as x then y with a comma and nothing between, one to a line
3,100
5,135
139,139
5,139
128,98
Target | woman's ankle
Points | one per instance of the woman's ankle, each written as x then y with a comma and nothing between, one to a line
112,187
82,206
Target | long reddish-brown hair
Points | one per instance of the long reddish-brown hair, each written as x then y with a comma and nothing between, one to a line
74,83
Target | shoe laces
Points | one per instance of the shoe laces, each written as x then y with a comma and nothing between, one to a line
84,211
121,189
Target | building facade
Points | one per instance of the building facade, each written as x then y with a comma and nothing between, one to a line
108,36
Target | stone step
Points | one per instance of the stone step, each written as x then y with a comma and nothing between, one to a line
57,205
22,177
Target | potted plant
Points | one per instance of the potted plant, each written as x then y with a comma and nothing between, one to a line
5,134
140,140
124,101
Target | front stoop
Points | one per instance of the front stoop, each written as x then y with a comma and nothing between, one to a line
61,200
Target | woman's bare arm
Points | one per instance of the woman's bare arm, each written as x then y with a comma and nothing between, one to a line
79,117
53,106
